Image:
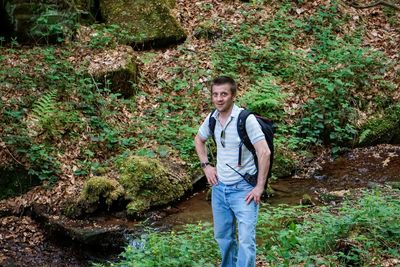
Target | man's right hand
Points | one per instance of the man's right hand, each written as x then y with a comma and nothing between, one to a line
211,174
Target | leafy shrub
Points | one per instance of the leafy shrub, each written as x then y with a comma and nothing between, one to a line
288,236
54,25
369,224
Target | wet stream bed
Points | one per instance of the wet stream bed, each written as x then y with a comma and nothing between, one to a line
28,243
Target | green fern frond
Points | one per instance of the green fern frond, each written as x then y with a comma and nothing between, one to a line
45,106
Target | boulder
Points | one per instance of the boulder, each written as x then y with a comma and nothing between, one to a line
148,182
382,130
88,235
48,21
148,23
101,189
116,69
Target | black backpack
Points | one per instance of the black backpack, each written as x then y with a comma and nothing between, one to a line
267,126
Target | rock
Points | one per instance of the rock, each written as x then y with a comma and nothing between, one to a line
373,185
333,196
148,23
101,189
382,130
269,191
306,200
117,67
207,29
38,21
320,177
88,235
148,182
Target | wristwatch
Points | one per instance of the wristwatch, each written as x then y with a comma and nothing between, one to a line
204,164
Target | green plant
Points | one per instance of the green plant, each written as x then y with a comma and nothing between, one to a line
53,25
366,225
108,36
265,98
43,163
189,247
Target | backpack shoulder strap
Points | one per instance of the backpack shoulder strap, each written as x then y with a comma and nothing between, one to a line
211,124
244,137
241,128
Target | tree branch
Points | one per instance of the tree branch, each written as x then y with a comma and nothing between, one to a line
374,4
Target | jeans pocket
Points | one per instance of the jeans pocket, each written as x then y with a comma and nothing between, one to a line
243,185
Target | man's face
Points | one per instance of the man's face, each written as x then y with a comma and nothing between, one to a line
222,97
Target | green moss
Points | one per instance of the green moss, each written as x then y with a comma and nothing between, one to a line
147,182
306,200
136,206
170,3
146,22
98,188
382,130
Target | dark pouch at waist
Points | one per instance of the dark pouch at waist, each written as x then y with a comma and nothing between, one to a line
251,179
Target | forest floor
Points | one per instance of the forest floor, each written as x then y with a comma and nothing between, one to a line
20,236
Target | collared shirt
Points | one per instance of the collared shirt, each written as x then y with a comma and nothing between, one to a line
230,153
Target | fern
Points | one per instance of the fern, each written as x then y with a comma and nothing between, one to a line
45,107
265,98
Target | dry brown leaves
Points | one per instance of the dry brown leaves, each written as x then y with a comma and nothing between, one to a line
192,55
23,243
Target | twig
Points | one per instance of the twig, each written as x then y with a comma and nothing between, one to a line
9,152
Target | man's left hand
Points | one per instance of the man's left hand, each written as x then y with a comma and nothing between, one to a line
255,195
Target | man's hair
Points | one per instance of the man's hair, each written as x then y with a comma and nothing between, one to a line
225,80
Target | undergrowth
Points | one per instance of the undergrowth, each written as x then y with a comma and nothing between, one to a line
315,57
360,232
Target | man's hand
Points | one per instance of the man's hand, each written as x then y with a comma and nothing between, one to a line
255,195
211,174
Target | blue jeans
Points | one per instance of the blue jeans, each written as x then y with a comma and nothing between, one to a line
229,208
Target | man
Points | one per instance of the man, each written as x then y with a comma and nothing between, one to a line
233,199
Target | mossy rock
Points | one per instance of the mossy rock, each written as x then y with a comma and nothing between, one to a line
306,200
39,21
148,182
97,189
148,23
383,130
207,29
117,69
